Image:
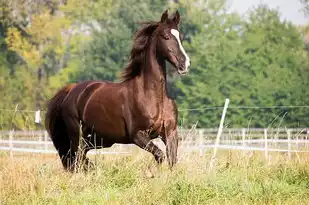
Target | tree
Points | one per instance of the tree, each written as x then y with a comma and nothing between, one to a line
260,62
35,40
107,53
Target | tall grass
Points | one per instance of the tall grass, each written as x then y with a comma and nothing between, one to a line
238,179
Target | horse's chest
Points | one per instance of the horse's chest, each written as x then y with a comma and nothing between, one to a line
158,118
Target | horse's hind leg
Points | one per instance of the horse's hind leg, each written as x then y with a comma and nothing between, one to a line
88,144
61,141
84,160
73,130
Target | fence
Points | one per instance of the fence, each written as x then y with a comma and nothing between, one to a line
254,139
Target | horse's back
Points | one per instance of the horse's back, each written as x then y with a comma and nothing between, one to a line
88,90
70,103
101,109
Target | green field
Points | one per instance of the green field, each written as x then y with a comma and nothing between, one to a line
239,178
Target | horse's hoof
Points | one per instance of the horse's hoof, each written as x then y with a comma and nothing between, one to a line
160,158
89,166
149,174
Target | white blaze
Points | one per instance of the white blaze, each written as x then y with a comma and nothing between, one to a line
175,33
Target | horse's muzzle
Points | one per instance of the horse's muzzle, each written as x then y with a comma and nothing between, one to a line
182,72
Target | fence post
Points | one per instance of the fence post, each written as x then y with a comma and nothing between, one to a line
201,136
289,143
229,137
45,141
266,144
11,143
41,139
37,117
297,141
243,134
213,158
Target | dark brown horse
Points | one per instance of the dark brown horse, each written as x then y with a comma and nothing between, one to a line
135,110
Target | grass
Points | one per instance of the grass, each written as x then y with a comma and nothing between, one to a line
239,178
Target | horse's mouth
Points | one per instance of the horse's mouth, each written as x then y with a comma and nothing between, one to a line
182,72
180,67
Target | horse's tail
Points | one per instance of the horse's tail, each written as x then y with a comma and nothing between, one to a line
55,124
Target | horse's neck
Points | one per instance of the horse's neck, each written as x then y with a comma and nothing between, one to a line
153,75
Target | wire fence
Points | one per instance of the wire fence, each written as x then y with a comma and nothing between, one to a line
287,140
188,109
244,107
36,116
191,140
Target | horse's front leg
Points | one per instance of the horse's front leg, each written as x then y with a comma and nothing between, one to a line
143,140
169,133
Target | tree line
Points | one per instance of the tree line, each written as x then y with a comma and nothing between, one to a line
258,61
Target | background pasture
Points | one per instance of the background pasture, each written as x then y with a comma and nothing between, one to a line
239,178
258,61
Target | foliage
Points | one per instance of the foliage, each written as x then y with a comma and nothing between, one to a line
258,61
107,53
36,39
305,8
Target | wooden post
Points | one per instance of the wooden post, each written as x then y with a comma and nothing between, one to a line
289,143
229,137
11,143
213,158
45,141
37,117
41,139
297,141
243,134
266,144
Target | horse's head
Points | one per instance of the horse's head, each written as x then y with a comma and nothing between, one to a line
168,43
165,37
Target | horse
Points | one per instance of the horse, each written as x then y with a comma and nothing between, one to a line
135,110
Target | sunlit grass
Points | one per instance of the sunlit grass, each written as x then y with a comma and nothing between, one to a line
238,178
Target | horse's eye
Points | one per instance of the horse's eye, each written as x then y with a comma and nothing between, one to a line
166,36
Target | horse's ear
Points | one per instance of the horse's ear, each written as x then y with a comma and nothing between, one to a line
176,18
164,16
